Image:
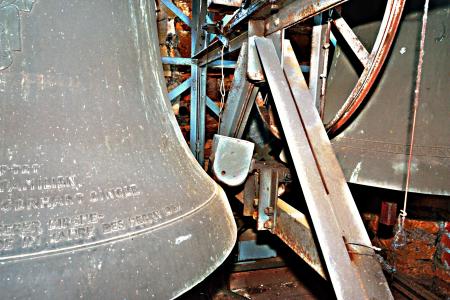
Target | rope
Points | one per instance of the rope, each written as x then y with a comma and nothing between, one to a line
222,89
403,213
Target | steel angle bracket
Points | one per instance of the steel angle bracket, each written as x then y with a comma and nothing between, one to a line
350,260
277,216
268,195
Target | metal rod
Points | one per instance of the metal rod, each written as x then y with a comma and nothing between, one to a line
185,85
212,106
173,8
352,40
179,61
416,105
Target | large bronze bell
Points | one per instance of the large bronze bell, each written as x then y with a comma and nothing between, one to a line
99,195
374,149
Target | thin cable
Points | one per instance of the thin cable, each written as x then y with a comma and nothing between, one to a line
222,89
416,106
367,246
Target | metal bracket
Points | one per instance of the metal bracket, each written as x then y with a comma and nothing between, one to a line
231,159
268,195
261,193
283,220
254,69
216,30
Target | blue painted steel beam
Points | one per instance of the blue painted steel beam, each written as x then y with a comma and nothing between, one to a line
198,85
173,8
180,61
220,37
304,68
212,106
227,64
333,39
180,89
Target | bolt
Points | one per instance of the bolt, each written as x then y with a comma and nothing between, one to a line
268,224
268,210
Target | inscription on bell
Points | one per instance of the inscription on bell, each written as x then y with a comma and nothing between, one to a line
25,188
16,169
38,184
10,204
126,191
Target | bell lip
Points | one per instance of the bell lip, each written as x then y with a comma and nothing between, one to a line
217,193
226,253
30,268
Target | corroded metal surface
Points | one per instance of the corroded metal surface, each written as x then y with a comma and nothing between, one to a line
296,12
293,229
99,195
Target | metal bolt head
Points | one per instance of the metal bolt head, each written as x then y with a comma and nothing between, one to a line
268,210
268,224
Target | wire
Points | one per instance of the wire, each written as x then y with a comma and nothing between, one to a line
403,213
367,246
222,89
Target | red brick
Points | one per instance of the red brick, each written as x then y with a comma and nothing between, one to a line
445,240
445,259
427,226
447,226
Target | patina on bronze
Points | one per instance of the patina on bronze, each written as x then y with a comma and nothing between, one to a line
99,195
373,150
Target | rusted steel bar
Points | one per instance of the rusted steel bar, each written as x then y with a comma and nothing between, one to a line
319,51
296,12
293,229
352,40
334,214
206,56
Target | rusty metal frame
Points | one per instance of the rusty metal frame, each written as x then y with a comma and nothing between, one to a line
204,53
288,15
335,217
334,214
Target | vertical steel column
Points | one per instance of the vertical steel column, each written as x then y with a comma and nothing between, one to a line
198,87
317,59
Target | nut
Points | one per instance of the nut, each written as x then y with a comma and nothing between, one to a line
268,211
268,224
